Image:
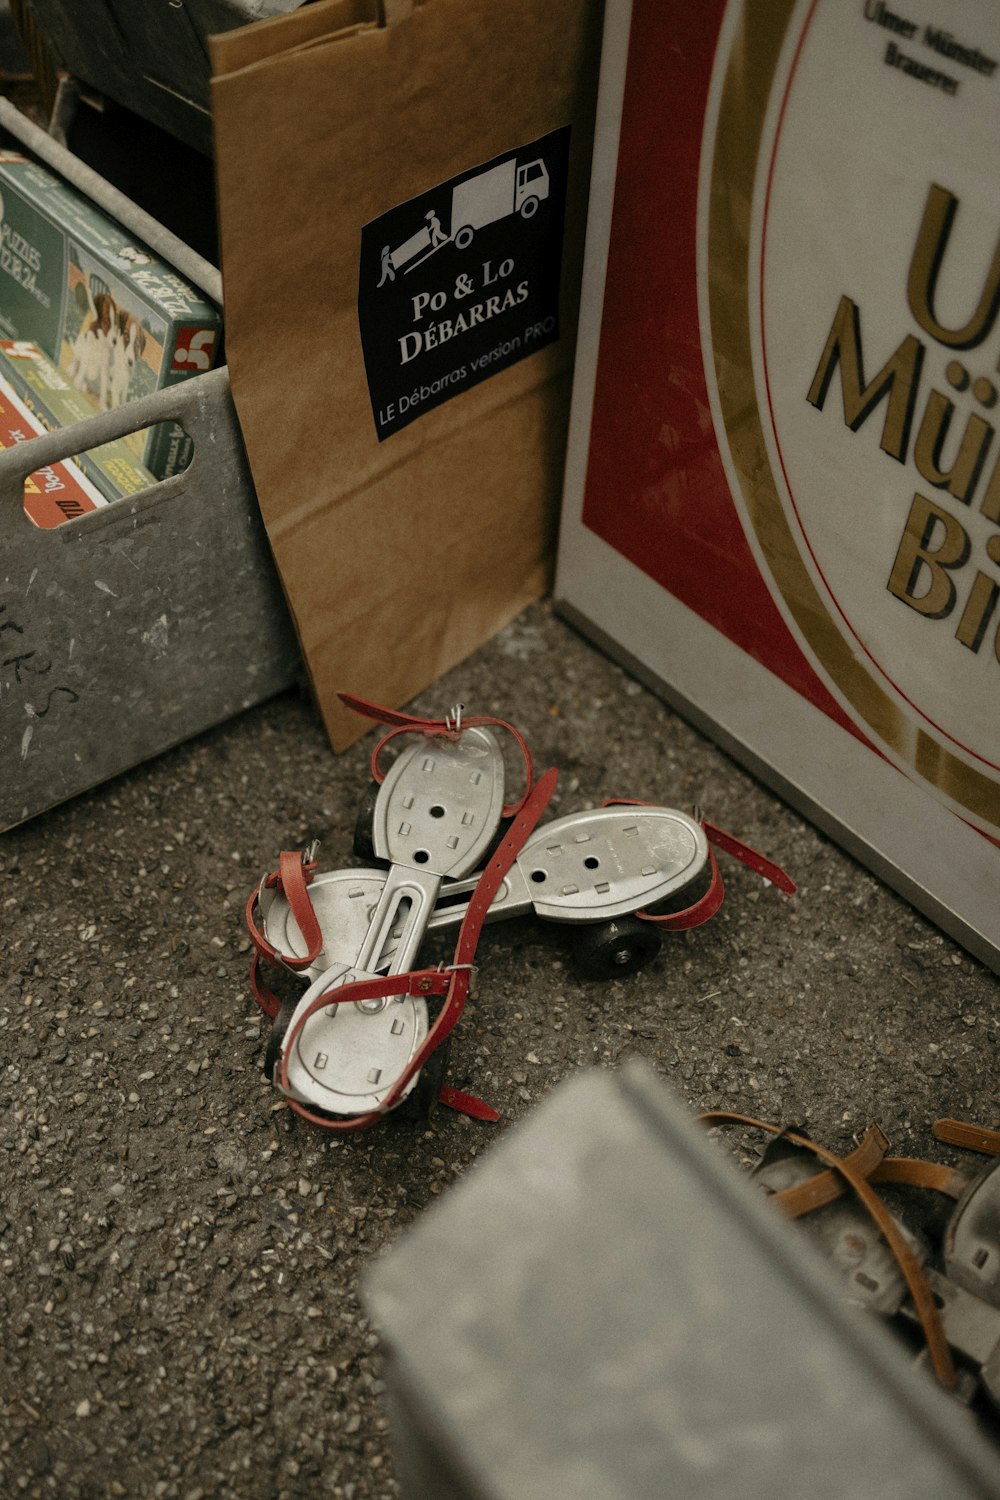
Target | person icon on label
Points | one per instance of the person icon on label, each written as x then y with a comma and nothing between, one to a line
388,269
438,236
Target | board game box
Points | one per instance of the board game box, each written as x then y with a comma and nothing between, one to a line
56,493
50,397
117,320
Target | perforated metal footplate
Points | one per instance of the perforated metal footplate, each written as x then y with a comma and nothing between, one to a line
347,1057
611,860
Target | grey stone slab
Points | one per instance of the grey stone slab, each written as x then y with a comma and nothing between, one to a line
605,1311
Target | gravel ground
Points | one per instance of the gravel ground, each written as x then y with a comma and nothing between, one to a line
180,1256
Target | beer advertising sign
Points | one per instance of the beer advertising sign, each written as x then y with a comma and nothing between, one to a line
785,428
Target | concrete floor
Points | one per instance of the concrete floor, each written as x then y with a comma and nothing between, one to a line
180,1256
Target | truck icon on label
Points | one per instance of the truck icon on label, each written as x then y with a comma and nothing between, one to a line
506,189
509,188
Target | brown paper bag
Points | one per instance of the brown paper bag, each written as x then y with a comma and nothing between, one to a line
402,378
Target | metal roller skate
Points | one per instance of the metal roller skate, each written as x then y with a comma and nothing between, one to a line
436,813
607,873
455,856
950,1295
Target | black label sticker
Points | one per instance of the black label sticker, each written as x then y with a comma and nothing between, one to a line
463,281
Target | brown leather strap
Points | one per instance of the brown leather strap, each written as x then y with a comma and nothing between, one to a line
921,1174
826,1186
816,1191
972,1137
916,1281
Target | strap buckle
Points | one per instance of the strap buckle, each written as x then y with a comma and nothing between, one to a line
473,972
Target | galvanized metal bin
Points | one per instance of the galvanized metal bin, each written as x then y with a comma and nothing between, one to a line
131,628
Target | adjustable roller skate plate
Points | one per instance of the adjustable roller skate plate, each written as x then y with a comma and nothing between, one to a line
584,867
844,1232
972,1239
436,815
611,861
344,902
440,803
347,1057
593,865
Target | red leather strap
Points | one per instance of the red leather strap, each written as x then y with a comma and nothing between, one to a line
467,1104
442,728
262,993
292,878
750,857
261,945
700,911
707,905
383,715
452,983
